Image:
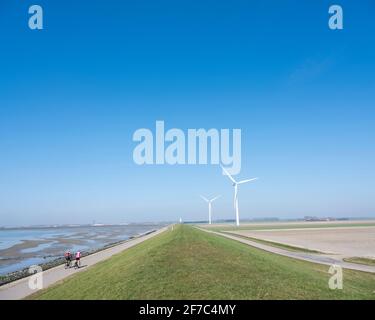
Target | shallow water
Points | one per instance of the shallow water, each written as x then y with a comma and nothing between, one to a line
38,248
19,265
21,248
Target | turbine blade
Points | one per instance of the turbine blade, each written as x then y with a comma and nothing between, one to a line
215,198
205,199
246,181
228,174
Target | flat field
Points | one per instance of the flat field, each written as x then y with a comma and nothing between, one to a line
342,241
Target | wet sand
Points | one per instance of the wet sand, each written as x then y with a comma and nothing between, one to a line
39,246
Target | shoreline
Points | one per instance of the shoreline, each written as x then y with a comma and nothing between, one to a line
24,272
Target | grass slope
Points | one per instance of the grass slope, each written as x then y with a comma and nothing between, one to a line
191,264
359,260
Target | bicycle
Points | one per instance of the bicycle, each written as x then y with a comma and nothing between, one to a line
68,263
77,264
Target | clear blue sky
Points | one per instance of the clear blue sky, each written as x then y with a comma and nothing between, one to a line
72,95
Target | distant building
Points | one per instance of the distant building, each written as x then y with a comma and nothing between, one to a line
316,219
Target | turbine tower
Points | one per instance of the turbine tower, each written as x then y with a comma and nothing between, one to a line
235,185
210,207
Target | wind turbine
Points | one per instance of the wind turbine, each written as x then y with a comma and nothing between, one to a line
210,207
235,185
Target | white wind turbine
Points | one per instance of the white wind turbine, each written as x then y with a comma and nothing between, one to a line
210,207
235,185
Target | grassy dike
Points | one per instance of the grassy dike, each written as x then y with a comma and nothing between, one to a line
191,264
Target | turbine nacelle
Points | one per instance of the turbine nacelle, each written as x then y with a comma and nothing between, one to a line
209,207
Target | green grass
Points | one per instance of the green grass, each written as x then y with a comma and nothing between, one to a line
290,226
188,263
276,244
364,261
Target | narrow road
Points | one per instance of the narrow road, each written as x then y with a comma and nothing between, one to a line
20,289
325,259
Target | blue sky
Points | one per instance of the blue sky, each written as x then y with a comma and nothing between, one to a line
72,95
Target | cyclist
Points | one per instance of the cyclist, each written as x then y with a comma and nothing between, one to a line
78,259
68,259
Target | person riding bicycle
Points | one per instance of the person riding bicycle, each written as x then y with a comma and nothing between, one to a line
68,258
78,259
